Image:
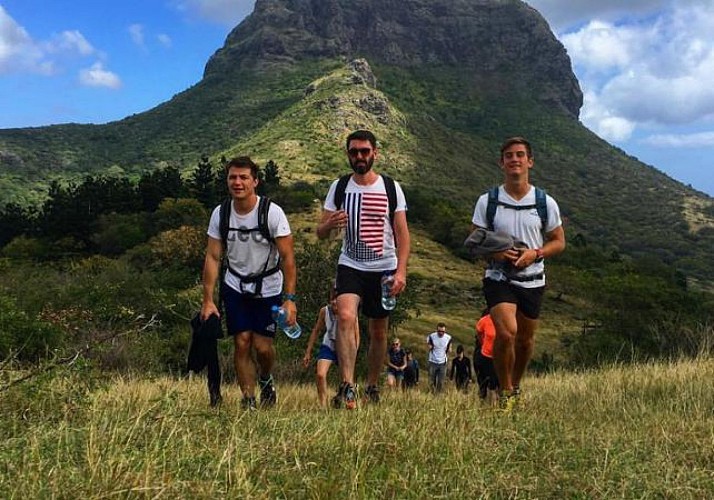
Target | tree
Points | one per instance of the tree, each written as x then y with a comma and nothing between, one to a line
203,184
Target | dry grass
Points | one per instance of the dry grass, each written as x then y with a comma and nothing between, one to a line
624,432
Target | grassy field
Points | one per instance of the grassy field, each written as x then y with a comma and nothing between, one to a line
624,432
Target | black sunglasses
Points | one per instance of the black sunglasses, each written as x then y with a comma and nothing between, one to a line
357,151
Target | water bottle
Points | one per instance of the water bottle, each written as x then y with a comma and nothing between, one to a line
389,302
280,316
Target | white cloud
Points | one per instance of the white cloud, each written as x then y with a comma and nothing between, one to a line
136,32
164,40
567,14
653,71
226,12
69,42
98,76
18,51
603,121
700,139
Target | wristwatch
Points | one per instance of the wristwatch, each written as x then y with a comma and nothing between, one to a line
539,254
289,296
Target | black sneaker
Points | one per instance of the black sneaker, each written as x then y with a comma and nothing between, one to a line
248,403
216,399
371,394
337,399
268,394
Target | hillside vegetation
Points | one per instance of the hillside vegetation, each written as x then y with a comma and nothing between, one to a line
622,432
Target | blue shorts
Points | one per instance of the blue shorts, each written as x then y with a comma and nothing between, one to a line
245,313
397,374
327,354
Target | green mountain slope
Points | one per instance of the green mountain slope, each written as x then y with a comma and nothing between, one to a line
444,82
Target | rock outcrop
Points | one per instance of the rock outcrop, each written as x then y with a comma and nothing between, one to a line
498,44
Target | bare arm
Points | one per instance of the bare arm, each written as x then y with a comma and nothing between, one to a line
211,266
320,326
403,242
554,245
287,258
331,221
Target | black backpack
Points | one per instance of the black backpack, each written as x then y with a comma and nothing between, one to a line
262,228
339,198
540,205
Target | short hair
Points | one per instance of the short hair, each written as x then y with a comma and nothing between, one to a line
361,135
440,325
243,162
459,349
517,140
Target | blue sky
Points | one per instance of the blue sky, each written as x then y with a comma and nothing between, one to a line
645,66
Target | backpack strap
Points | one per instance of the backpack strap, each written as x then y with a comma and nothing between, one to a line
389,187
492,206
391,197
263,210
540,205
339,197
224,221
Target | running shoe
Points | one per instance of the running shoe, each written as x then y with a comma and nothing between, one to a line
248,403
349,396
507,402
268,394
371,394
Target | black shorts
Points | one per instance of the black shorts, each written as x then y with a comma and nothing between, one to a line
366,284
528,300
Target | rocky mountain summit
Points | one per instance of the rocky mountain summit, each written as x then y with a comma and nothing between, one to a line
504,46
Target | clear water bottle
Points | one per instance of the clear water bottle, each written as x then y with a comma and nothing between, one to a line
280,316
389,302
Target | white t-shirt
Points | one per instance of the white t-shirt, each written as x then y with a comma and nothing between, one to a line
248,253
441,344
368,244
523,225
331,329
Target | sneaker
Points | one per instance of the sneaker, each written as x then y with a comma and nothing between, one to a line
338,398
268,394
248,403
216,399
516,393
506,402
371,394
349,396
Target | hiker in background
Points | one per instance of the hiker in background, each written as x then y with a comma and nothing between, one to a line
515,279
439,348
483,357
411,372
396,363
260,273
327,320
461,370
370,210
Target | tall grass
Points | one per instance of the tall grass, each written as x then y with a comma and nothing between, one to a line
642,431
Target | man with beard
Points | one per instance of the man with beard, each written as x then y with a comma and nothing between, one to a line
373,245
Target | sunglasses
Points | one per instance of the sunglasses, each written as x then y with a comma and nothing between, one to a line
357,151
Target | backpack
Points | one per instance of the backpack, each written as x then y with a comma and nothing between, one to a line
339,197
540,205
224,228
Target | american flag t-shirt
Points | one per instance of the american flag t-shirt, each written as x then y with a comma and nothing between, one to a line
368,215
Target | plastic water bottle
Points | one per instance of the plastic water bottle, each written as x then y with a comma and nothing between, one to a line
280,316
388,301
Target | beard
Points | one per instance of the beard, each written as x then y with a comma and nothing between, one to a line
361,167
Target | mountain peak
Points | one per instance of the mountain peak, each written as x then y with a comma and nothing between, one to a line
502,45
